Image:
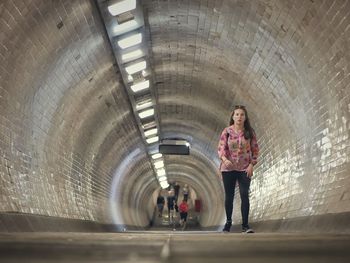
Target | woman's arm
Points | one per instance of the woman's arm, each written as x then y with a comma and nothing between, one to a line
254,148
222,147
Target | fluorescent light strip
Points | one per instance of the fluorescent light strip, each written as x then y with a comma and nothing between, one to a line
130,41
159,164
140,86
149,125
121,7
164,184
146,113
152,139
132,55
156,156
160,172
151,132
136,67
125,27
144,104
162,179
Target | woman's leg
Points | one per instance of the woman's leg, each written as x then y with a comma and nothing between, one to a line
229,180
244,184
185,222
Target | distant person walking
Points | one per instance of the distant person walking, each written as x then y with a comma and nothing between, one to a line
160,204
176,189
238,151
171,206
183,207
185,192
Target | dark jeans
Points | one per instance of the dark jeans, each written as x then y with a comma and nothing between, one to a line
186,197
230,178
183,215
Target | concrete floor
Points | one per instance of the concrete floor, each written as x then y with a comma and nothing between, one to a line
173,246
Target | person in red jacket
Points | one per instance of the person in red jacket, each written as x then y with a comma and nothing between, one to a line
183,208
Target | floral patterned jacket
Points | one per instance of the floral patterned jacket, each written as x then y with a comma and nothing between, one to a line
237,149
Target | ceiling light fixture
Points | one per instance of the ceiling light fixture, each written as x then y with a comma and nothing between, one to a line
164,184
140,86
136,67
159,164
125,27
130,41
144,104
132,55
162,179
160,172
156,156
130,78
146,113
148,125
151,132
152,140
120,7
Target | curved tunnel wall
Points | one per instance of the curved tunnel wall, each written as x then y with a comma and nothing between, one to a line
68,132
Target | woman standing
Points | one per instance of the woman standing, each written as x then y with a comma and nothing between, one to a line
238,150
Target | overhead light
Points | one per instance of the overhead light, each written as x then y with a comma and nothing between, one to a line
164,184
146,113
136,67
152,139
160,172
132,55
130,41
159,164
156,156
125,27
148,125
143,104
130,78
151,132
121,7
140,86
162,179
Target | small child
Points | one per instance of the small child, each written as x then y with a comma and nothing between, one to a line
183,213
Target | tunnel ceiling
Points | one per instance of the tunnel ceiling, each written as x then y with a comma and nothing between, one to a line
68,126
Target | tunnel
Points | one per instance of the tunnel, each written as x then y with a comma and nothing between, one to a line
75,155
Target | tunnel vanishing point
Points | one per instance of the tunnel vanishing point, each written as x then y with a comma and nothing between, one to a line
76,155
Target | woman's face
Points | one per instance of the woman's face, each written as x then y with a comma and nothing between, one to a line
238,116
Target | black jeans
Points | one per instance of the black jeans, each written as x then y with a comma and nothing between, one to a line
230,178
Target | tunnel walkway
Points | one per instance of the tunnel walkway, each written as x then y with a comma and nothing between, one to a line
169,246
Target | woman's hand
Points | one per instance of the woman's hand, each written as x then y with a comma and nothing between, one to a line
227,162
249,170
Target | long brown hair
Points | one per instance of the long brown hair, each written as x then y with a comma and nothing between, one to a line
248,130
